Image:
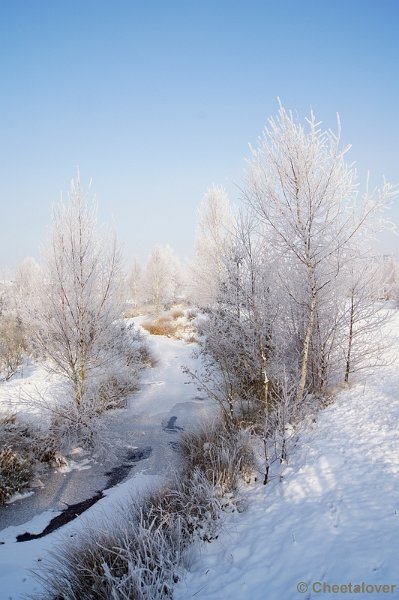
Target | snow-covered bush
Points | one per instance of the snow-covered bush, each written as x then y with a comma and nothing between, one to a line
71,425
282,422
119,378
190,499
232,370
67,424
222,453
14,432
139,555
283,417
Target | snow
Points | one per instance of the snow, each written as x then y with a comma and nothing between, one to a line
26,384
164,398
75,466
17,559
19,496
334,516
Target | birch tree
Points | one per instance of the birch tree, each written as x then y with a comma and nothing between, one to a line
134,284
212,238
81,297
162,277
305,195
237,333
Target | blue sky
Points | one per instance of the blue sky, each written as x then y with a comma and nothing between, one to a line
156,100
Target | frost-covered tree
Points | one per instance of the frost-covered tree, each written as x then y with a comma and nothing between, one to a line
28,276
212,238
386,280
162,277
236,336
15,322
81,298
134,284
28,282
305,196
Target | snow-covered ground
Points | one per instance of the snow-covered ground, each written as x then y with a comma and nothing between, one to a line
333,520
164,405
18,559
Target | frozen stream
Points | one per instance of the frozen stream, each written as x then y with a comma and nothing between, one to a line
144,437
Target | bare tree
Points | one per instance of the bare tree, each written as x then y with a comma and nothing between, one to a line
162,277
305,195
15,329
81,297
28,276
134,284
362,344
213,234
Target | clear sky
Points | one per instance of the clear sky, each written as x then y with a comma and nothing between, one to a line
156,100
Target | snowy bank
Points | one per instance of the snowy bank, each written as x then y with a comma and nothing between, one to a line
334,517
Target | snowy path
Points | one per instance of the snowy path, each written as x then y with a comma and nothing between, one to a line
155,415
333,519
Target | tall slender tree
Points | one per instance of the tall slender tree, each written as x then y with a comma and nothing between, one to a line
305,195
213,235
81,296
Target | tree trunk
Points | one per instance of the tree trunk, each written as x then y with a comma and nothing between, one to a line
306,344
350,340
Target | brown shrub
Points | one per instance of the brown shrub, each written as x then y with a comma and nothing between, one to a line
177,323
161,326
176,313
15,473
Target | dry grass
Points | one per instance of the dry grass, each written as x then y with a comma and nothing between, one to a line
176,313
176,323
15,473
224,454
133,311
161,326
139,555
22,448
16,463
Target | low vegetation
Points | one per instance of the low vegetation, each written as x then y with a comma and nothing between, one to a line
22,448
176,323
13,345
223,454
141,554
15,473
